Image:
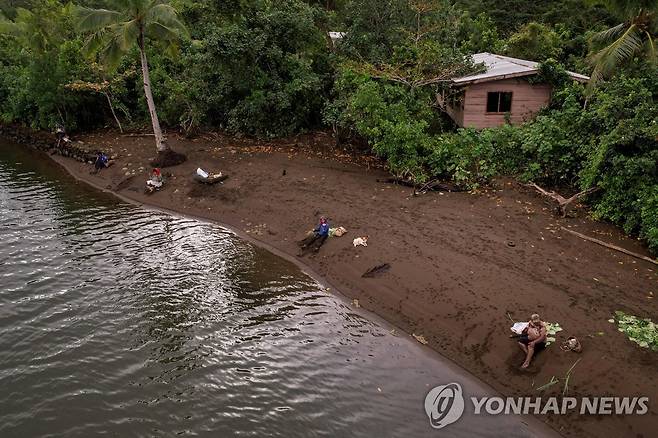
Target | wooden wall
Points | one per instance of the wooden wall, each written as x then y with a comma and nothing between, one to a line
527,100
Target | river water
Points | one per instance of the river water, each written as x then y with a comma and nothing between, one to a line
116,320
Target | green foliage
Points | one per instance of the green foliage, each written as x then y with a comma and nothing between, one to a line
393,120
480,34
635,36
642,331
374,28
39,56
536,42
509,15
463,157
265,74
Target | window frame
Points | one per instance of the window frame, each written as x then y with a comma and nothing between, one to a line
499,101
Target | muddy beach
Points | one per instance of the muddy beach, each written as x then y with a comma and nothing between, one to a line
461,264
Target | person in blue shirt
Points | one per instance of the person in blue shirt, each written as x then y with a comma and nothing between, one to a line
317,238
102,161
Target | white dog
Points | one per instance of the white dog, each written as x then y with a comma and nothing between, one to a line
362,241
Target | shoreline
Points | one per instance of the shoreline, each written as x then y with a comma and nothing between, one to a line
535,426
415,313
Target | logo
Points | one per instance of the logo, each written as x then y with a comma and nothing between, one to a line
444,405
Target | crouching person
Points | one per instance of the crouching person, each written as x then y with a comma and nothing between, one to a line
533,338
101,162
155,182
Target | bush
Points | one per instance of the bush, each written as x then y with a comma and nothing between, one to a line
266,73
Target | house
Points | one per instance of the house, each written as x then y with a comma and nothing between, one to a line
336,36
504,91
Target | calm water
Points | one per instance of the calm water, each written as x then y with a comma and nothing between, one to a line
116,320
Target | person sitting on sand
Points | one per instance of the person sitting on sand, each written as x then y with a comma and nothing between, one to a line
317,237
155,182
533,338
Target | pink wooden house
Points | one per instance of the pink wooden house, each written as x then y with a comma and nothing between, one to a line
500,93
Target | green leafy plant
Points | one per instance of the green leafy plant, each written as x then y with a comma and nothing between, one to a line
642,331
552,328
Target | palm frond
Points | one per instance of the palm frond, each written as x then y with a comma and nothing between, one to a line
161,12
167,16
110,55
127,34
622,49
94,42
90,20
610,34
160,32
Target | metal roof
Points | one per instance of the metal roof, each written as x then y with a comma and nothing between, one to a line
504,67
337,35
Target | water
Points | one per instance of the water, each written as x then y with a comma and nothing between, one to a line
116,320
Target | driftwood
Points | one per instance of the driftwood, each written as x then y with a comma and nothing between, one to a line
563,203
379,269
611,246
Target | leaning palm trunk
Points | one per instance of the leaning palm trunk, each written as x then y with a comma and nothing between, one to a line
160,143
112,33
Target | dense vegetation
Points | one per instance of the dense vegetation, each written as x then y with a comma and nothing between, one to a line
267,68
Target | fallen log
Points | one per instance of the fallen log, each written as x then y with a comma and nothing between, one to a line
563,203
611,246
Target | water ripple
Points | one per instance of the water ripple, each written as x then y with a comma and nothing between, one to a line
116,320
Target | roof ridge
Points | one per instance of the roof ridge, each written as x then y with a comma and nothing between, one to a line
502,66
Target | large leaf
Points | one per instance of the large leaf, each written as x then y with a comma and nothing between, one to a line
607,60
92,20
642,331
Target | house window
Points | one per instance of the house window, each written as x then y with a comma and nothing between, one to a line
499,102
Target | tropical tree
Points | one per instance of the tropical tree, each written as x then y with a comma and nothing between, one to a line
113,33
636,35
38,31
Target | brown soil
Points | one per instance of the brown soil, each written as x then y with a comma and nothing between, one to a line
460,263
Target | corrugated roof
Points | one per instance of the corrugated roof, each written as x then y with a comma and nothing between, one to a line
503,67
337,35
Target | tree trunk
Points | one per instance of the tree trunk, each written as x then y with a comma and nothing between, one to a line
114,114
160,143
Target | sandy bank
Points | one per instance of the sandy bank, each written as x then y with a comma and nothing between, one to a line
460,262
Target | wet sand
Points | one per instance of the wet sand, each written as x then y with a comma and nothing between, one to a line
461,264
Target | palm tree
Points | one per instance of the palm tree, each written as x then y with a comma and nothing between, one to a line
636,35
112,33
